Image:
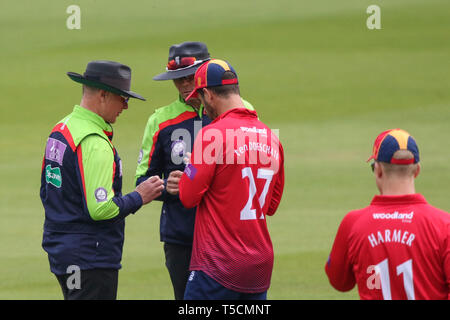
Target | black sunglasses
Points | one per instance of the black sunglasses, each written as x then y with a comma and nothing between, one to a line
372,165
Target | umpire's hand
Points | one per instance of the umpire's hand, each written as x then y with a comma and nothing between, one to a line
172,182
150,189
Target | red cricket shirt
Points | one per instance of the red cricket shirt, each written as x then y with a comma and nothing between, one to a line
236,177
396,248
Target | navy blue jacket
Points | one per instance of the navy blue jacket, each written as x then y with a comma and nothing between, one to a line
71,235
162,152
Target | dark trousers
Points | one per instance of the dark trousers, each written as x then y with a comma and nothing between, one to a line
202,287
94,284
178,258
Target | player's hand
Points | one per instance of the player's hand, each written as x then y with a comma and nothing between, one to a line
150,189
187,159
173,181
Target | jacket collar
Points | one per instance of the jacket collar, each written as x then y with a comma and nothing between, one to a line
237,112
89,115
200,111
399,199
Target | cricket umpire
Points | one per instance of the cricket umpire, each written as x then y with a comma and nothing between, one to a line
163,150
81,186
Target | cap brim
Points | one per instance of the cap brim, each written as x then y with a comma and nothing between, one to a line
132,94
176,74
80,79
193,94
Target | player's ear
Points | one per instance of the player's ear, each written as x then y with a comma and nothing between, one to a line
103,94
207,94
378,170
417,171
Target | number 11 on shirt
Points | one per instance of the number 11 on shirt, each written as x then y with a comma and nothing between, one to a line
247,213
382,269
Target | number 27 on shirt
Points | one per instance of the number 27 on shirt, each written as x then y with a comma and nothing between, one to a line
247,213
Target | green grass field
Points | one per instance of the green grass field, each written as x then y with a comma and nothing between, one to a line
312,69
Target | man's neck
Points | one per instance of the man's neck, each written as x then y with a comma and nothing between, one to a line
89,105
230,102
399,187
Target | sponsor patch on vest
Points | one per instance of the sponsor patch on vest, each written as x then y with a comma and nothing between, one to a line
53,176
101,194
54,151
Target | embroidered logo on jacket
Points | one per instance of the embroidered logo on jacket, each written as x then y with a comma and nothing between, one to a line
54,151
53,176
178,148
141,155
101,194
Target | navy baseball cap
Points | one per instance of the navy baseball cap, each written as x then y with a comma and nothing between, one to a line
210,75
390,141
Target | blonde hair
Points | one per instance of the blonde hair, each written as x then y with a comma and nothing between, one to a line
400,169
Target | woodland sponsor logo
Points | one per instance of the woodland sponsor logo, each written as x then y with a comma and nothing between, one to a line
405,217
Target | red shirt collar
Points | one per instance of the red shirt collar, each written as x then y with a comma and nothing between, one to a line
240,112
400,199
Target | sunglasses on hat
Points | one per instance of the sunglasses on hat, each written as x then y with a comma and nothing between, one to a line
177,63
